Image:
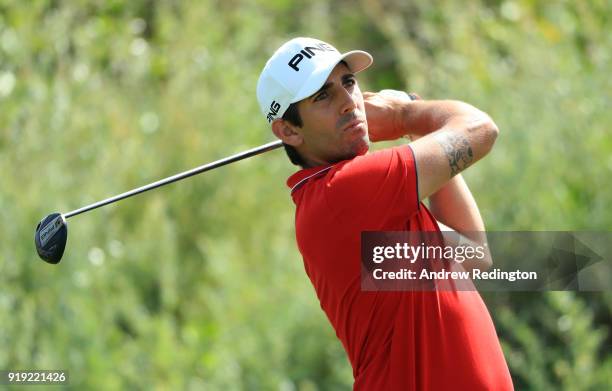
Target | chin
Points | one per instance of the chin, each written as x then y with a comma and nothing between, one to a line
362,147
365,144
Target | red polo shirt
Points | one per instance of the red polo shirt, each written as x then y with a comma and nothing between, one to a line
431,340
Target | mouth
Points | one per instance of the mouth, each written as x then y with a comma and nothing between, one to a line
353,125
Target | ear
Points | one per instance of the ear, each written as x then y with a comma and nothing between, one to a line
287,132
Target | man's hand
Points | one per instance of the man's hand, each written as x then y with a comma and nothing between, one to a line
384,112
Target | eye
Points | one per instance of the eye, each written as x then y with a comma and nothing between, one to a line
321,96
350,82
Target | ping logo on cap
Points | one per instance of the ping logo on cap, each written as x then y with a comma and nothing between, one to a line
274,108
308,52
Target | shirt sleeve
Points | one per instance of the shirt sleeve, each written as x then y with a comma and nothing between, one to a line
382,182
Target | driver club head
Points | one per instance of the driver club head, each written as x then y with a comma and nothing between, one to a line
50,237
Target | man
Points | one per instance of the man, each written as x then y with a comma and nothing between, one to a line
401,340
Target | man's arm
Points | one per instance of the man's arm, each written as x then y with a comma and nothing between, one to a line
445,129
453,135
453,204
466,135
456,210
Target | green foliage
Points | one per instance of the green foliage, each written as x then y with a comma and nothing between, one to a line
200,285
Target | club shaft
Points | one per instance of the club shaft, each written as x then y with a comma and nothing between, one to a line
178,177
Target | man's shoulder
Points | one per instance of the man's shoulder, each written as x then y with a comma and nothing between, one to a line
358,168
300,178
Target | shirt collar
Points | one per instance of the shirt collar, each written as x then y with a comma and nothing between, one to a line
299,178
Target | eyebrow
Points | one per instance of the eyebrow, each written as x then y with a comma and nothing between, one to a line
329,84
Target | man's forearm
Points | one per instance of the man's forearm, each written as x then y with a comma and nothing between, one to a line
422,117
454,206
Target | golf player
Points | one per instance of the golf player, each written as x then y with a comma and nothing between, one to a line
395,340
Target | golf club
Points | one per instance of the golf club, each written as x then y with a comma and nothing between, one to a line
52,231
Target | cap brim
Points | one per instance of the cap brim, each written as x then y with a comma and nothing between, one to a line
357,61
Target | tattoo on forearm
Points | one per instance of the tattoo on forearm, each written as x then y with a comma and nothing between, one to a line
458,151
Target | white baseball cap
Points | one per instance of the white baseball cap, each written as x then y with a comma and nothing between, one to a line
298,69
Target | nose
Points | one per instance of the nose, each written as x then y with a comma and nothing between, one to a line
348,102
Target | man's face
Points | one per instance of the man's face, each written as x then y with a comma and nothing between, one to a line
334,120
